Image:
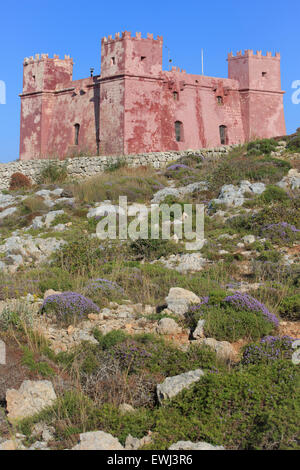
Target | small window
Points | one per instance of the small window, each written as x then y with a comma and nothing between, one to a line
223,134
113,61
220,100
178,131
143,58
175,96
264,74
77,129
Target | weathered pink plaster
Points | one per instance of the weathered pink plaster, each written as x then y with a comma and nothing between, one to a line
133,105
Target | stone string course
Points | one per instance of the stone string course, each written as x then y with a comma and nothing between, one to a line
84,167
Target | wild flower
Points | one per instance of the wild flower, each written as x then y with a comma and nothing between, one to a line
245,301
269,349
69,306
178,166
131,355
280,232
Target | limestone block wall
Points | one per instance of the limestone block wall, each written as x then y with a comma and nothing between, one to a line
84,167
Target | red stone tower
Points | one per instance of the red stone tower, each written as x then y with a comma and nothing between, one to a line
41,76
261,94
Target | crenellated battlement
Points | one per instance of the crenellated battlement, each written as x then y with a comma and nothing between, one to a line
250,53
43,57
127,35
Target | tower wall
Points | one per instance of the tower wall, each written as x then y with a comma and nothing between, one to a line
261,95
41,77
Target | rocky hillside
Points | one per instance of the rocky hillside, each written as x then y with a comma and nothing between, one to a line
143,344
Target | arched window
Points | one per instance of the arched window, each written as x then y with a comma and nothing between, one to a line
220,99
175,95
77,129
223,134
178,131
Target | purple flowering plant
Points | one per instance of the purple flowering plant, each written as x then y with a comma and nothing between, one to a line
232,317
281,233
269,349
131,355
68,307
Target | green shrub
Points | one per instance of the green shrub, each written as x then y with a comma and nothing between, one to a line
55,278
273,194
110,339
250,408
262,147
228,324
53,172
36,366
79,256
270,255
151,249
294,143
289,308
232,317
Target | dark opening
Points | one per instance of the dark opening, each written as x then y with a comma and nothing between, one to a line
143,58
175,96
264,74
77,128
178,131
219,99
112,61
223,135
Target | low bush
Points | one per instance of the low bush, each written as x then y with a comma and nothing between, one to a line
53,172
253,408
100,290
273,194
289,308
19,181
68,307
232,317
33,205
151,249
262,147
80,256
269,349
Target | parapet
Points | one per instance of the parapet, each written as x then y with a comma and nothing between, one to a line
250,53
127,35
42,57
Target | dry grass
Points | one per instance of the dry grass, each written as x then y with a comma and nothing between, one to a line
138,184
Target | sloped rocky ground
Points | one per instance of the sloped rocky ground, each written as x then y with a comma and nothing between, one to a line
144,344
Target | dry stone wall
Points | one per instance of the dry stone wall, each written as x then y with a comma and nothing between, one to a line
84,167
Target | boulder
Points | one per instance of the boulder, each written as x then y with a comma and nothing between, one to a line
199,330
174,385
223,349
249,239
126,408
179,300
168,326
188,445
31,398
98,440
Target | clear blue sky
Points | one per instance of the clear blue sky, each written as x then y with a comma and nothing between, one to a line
76,27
